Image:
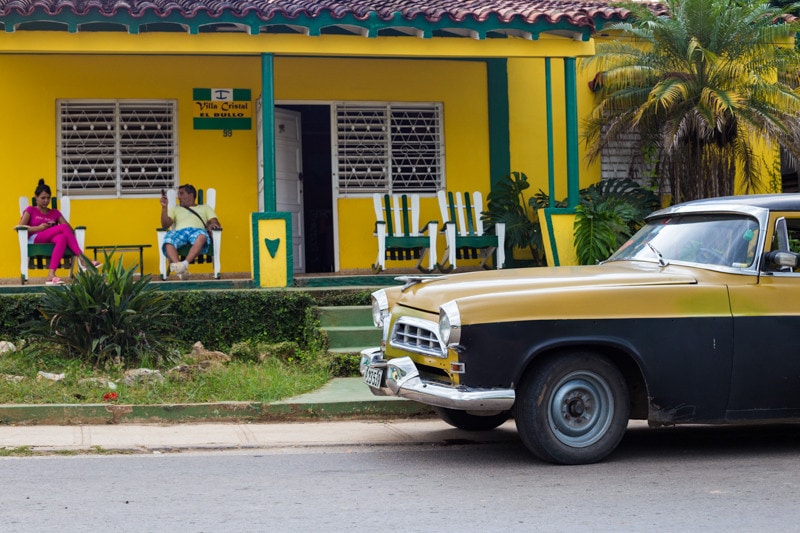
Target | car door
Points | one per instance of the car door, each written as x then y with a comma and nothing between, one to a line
765,381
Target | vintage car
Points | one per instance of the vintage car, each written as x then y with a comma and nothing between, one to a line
696,319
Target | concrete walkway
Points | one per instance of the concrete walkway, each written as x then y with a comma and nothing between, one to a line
277,437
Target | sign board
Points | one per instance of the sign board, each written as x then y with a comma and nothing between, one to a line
222,109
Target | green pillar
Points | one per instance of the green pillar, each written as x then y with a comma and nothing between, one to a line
571,97
499,143
268,131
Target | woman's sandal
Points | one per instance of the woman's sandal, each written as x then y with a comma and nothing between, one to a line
95,264
55,281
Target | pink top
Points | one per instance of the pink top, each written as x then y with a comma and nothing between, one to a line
37,218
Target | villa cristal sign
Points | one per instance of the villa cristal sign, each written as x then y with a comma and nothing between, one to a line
222,109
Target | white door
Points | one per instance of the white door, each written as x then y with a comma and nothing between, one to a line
289,174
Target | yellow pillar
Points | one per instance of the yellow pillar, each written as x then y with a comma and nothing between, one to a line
271,244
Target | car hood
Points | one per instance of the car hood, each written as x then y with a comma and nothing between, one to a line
430,293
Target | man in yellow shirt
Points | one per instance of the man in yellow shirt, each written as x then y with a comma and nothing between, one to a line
191,222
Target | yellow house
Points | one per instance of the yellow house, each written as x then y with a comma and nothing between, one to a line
295,112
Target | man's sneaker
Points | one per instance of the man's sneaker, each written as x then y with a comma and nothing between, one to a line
183,270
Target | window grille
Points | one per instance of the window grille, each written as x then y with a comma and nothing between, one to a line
116,147
388,147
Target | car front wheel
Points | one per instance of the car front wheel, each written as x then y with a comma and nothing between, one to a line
573,409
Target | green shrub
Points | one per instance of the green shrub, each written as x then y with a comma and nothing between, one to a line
344,365
16,310
220,319
105,316
340,297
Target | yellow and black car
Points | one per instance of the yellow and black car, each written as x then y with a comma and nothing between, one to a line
696,319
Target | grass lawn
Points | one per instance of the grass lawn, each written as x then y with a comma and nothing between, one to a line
242,379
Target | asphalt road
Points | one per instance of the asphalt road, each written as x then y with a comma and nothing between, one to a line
672,479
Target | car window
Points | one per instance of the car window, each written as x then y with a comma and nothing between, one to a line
792,228
707,239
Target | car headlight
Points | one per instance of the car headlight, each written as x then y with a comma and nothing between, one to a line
449,324
380,307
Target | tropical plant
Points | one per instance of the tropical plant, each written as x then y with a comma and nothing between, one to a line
507,204
105,317
608,214
704,82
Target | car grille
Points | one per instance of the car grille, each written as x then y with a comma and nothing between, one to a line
416,335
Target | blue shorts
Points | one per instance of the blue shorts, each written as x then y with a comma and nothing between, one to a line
182,237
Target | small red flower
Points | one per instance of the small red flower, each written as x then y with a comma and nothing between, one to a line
110,396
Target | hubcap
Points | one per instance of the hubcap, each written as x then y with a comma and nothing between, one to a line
580,409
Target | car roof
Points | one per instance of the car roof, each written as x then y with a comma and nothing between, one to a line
771,202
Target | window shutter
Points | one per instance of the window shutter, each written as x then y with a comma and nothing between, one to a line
116,147
388,147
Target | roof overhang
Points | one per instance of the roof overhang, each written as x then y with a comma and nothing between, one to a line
425,19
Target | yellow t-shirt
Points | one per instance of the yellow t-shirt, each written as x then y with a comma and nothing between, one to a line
184,218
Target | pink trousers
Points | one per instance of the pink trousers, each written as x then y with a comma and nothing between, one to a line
62,237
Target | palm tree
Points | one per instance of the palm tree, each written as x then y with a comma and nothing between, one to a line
700,83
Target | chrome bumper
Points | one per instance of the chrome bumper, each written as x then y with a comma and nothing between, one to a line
401,378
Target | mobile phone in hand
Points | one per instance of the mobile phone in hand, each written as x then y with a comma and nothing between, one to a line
163,193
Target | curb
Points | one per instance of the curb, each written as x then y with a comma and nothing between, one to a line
339,398
92,414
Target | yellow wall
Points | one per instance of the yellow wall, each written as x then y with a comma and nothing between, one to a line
460,85
206,158
528,124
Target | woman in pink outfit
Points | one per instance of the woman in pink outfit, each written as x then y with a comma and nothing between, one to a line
46,225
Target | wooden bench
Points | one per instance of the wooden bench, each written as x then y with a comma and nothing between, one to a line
214,247
121,248
464,234
398,232
37,256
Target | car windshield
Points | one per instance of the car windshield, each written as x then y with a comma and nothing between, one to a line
708,239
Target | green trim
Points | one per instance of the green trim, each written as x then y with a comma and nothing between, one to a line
571,105
499,126
268,131
551,172
254,219
324,23
239,95
548,217
242,95
406,216
222,124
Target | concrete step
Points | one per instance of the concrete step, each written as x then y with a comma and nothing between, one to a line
349,328
352,336
345,315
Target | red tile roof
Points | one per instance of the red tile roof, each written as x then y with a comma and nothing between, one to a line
575,13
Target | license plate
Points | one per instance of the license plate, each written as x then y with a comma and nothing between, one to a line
374,377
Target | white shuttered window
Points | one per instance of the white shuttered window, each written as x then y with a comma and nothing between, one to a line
388,147
117,147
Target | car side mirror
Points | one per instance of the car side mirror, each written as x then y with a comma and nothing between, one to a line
781,259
